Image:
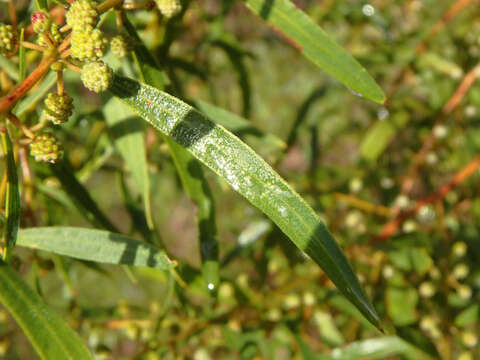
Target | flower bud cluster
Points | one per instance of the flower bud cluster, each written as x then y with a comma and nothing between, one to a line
58,108
45,148
169,8
8,39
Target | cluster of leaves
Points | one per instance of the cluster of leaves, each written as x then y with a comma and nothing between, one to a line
247,291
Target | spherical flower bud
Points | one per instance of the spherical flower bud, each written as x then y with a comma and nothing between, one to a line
388,271
58,108
120,45
169,8
427,323
88,45
8,39
464,292
469,339
427,289
460,271
459,249
82,15
45,147
97,76
41,21
291,301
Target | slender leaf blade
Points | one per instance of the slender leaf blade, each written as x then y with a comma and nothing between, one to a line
196,186
95,245
48,333
249,175
129,137
12,196
317,46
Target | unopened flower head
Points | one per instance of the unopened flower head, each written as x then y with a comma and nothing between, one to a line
58,108
41,21
82,15
97,76
45,148
169,8
89,45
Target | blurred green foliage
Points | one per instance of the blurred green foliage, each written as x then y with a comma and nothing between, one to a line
334,148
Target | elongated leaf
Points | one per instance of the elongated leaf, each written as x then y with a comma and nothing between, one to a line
22,62
317,46
380,348
191,175
80,195
237,125
12,197
48,333
196,186
94,245
248,174
129,137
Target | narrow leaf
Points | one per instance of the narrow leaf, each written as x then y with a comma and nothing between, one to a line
317,46
9,67
22,62
12,197
191,175
238,125
196,186
379,348
94,245
48,333
248,174
80,195
129,137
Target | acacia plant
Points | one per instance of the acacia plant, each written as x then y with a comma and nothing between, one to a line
60,57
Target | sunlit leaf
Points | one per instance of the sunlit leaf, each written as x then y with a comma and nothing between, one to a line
249,175
317,46
94,245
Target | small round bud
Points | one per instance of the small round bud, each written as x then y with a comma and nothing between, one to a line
46,148
309,299
460,271
388,271
355,185
427,289
97,76
41,21
58,108
120,45
169,8
291,301
469,339
8,39
464,292
82,15
88,45
440,131
459,249
427,323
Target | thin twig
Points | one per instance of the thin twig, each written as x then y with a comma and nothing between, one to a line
32,46
391,227
466,83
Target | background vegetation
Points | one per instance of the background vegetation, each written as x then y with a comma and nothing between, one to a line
396,183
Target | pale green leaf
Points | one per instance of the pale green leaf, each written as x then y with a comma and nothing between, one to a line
129,137
317,46
48,333
94,245
249,175
12,196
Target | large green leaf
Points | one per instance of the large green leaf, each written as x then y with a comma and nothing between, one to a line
12,196
248,174
48,333
94,245
317,46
